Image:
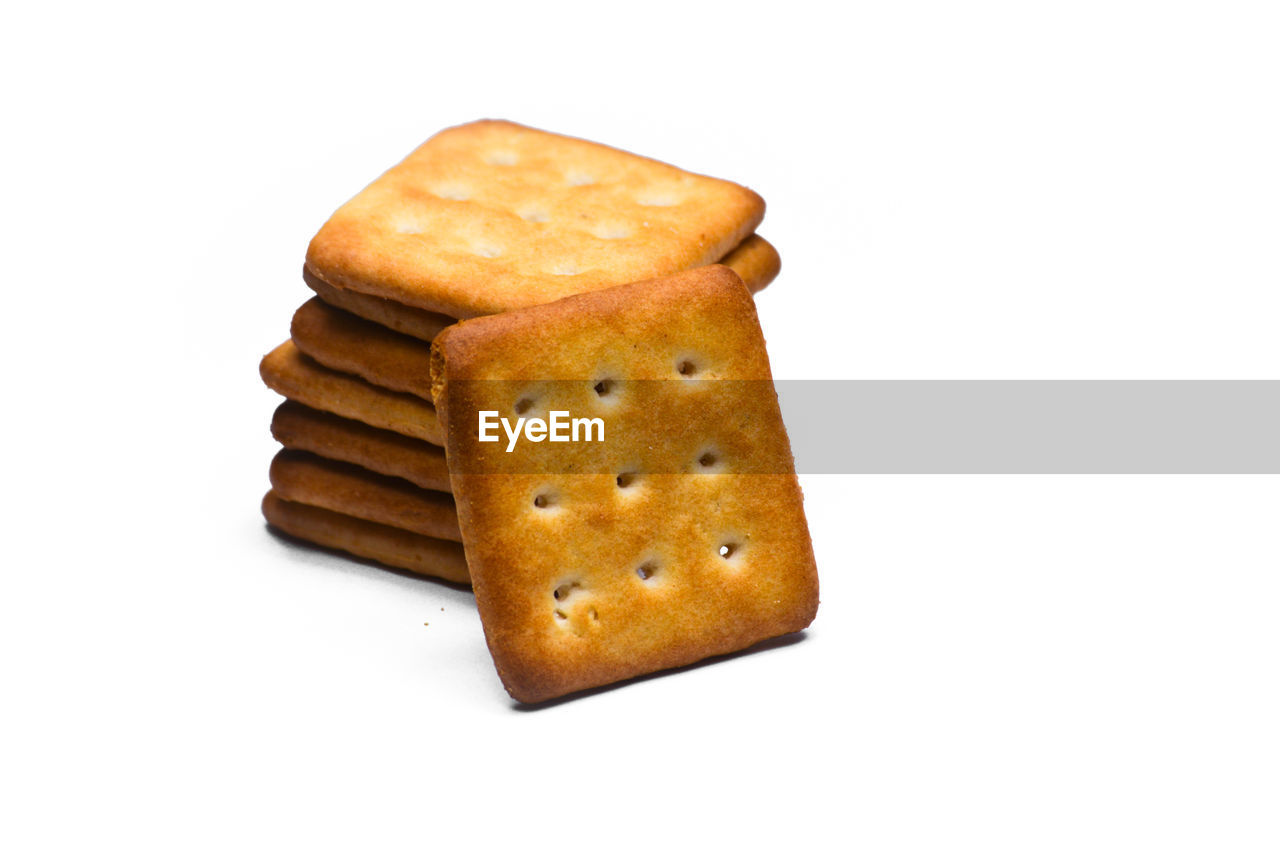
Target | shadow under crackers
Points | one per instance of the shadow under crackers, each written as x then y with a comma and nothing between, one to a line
762,646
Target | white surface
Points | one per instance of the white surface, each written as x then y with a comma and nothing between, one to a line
958,190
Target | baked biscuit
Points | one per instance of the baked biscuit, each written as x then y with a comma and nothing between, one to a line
288,372
350,344
491,216
755,261
298,427
595,562
348,489
390,546
405,319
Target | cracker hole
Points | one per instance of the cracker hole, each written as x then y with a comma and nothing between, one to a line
687,367
544,500
647,570
501,158
604,387
595,617
728,549
565,589
627,479
523,405
708,459
560,615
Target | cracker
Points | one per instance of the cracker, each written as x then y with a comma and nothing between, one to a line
298,427
341,487
491,216
347,343
288,372
390,546
405,319
755,261
622,567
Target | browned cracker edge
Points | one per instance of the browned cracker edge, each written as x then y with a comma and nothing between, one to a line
300,427
391,546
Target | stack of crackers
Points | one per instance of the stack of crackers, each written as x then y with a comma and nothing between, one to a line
503,268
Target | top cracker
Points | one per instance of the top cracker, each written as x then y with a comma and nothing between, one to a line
492,216
679,536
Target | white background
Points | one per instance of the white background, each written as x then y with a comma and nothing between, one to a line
980,190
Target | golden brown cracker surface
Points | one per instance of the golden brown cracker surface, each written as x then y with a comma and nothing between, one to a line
601,561
490,216
755,260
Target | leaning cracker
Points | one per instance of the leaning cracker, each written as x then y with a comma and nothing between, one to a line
338,486
288,372
390,546
299,427
679,537
491,216
755,261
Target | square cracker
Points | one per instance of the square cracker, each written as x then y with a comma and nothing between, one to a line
491,216
681,536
